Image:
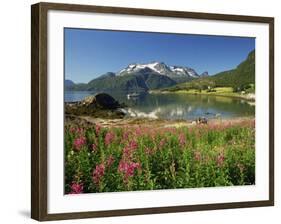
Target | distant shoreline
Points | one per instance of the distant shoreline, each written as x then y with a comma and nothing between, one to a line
248,97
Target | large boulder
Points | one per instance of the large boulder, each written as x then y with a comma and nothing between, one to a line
101,105
101,100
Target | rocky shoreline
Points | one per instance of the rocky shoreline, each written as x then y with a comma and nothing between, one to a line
88,121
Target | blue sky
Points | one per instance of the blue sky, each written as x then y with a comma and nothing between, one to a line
91,53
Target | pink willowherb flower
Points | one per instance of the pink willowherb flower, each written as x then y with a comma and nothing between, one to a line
94,147
110,161
162,142
182,139
98,173
139,131
125,136
133,145
109,137
220,159
148,151
72,130
76,188
80,131
79,142
97,129
127,168
129,149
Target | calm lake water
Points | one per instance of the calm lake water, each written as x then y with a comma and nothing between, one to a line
177,106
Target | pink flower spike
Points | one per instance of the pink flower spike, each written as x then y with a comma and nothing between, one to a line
97,129
220,159
128,169
129,149
162,142
98,173
109,137
94,147
76,188
72,130
110,161
79,142
182,139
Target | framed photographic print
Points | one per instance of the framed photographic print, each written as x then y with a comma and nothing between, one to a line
138,111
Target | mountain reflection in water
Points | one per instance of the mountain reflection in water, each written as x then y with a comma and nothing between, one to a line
176,106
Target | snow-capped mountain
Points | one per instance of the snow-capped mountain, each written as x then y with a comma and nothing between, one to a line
204,74
141,77
180,70
177,73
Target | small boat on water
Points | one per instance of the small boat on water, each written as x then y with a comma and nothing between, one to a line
133,95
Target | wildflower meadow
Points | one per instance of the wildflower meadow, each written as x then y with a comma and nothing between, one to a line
136,158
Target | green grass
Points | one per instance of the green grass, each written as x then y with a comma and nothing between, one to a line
223,89
144,158
217,91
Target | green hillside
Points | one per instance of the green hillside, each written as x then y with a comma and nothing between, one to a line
240,78
117,82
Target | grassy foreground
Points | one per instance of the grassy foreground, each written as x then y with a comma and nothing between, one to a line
99,159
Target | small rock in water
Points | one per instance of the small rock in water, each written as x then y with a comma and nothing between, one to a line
208,113
218,115
202,120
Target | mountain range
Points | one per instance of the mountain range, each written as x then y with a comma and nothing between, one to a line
139,77
158,75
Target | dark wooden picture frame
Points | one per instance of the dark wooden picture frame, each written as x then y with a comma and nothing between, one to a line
39,121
